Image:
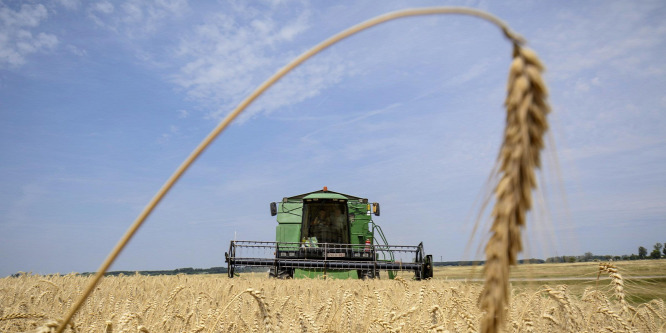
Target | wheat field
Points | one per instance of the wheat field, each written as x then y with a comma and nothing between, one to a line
256,304
253,303
526,123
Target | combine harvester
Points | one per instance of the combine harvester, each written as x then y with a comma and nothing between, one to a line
328,234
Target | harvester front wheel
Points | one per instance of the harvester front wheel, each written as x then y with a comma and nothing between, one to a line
230,266
230,271
369,274
282,273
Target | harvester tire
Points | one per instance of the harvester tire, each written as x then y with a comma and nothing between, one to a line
365,275
283,273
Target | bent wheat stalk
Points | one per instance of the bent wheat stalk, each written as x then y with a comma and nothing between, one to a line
617,281
526,124
516,39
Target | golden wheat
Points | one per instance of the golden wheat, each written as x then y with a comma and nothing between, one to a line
164,304
526,123
617,281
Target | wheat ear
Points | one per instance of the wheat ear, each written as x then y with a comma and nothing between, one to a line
617,281
263,307
526,110
22,316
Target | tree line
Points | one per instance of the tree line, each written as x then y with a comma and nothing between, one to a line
658,252
655,254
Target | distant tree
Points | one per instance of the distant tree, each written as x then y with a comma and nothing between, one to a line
642,252
656,253
664,249
633,256
588,256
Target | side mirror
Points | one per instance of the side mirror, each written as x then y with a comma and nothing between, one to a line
375,208
273,209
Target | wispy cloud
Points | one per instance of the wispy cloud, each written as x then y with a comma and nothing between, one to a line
20,37
183,113
98,10
70,4
605,36
230,55
77,51
605,62
135,18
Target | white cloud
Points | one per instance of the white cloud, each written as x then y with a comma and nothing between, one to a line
77,51
183,113
607,38
605,67
303,83
173,131
70,4
98,10
103,7
27,16
18,38
135,18
228,56
583,85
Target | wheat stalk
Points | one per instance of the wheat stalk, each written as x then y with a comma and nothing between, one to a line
519,156
617,318
263,307
617,281
12,316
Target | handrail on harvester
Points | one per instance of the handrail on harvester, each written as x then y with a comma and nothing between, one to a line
392,274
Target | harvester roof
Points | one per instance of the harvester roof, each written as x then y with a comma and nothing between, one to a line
324,194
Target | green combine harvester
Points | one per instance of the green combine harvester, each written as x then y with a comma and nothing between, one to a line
331,235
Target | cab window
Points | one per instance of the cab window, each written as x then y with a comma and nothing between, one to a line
326,220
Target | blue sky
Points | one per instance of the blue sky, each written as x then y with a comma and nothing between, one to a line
100,102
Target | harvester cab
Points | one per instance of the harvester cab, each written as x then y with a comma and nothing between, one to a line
329,234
